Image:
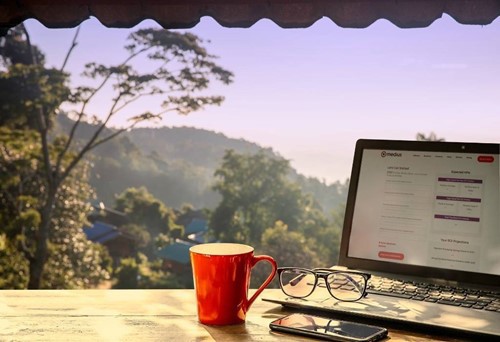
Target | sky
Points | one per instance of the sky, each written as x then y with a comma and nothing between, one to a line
310,93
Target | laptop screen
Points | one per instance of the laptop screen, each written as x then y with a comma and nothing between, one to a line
424,208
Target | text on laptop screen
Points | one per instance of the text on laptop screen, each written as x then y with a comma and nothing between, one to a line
435,209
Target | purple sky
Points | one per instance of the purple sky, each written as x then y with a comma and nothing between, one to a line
311,93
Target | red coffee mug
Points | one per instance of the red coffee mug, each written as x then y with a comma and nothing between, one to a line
221,273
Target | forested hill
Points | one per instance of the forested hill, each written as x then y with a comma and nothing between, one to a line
177,165
197,147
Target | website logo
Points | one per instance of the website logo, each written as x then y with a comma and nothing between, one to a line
384,154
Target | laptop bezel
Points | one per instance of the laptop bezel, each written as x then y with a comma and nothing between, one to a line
398,268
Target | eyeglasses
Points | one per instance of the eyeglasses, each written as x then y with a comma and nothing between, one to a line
348,286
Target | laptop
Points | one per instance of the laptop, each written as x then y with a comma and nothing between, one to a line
423,218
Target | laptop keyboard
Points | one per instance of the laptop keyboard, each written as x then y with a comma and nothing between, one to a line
447,295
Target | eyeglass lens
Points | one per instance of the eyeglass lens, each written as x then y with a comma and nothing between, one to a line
297,283
346,286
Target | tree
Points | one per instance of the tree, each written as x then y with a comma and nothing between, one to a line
73,261
261,207
13,265
287,248
255,194
144,209
139,273
327,238
149,217
32,95
431,137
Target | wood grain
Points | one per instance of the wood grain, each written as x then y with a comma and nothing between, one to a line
135,315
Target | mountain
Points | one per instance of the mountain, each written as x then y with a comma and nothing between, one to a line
176,164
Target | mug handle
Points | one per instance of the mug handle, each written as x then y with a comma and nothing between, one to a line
255,260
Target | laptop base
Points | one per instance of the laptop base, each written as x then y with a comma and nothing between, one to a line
402,311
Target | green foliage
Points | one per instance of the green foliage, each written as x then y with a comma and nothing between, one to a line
76,263
154,277
431,137
141,235
73,261
15,50
177,164
127,274
142,208
328,196
161,241
139,273
20,178
327,238
179,67
30,97
152,223
26,89
176,232
13,265
287,248
262,208
255,194
43,178
26,86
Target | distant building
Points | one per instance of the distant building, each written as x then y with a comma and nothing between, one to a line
108,215
119,244
186,217
176,255
196,230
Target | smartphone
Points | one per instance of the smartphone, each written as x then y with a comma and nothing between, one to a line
328,329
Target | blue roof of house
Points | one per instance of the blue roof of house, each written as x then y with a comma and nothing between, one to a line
177,251
195,226
198,237
101,232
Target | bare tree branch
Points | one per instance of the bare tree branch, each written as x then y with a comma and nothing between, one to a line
121,130
71,136
73,129
106,79
111,136
126,103
113,106
72,47
135,98
87,147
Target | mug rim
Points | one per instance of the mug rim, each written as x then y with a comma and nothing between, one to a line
204,249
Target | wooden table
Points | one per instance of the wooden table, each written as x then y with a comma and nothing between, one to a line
135,315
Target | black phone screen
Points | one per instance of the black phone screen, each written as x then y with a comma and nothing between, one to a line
329,328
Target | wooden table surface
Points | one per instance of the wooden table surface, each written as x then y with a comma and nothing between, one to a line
136,315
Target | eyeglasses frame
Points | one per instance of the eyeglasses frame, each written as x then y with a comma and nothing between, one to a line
324,273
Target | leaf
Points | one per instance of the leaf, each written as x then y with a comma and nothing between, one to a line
148,116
